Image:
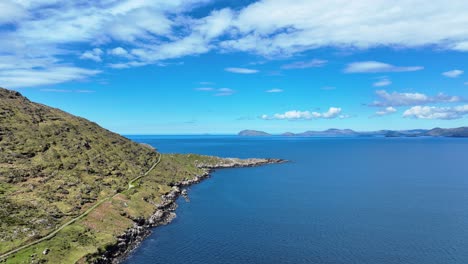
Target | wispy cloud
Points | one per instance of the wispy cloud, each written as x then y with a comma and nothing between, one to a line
204,89
241,70
386,111
216,91
126,65
206,83
224,92
333,112
433,112
382,82
56,91
453,73
304,64
276,90
461,46
376,67
85,91
17,78
65,91
268,32
408,99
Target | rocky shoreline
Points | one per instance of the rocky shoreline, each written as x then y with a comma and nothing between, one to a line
165,211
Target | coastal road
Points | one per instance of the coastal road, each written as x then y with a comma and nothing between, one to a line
49,236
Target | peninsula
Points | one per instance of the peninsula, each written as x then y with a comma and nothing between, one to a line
73,192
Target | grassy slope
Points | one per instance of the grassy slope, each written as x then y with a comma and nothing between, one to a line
53,166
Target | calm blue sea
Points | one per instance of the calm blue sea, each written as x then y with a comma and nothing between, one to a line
338,200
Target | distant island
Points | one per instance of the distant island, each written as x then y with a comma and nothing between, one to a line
253,133
333,132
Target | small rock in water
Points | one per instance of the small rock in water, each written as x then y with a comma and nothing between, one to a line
185,195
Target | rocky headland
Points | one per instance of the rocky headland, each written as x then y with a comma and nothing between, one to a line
165,210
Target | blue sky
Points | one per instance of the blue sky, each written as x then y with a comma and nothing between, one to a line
201,66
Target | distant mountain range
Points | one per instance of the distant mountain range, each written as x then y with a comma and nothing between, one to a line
333,132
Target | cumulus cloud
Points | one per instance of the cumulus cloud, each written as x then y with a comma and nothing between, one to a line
119,51
333,112
453,73
304,64
386,111
94,55
375,66
275,90
241,70
433,112
382,82
407,99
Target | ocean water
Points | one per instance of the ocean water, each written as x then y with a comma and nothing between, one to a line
338,200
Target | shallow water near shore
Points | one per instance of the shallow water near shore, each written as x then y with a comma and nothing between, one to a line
338,200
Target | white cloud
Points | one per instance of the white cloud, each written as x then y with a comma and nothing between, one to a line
432,112
375,66
56,90
17,78
94,55
66,91
126,65
407,99
453,73
462,46
216,91
275,90
224,92
204,89
49,30
305,64
11,12
386,111
119,51
268,29
241,70
382,82
333,112
158,30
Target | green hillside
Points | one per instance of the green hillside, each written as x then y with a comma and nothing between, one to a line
55,166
